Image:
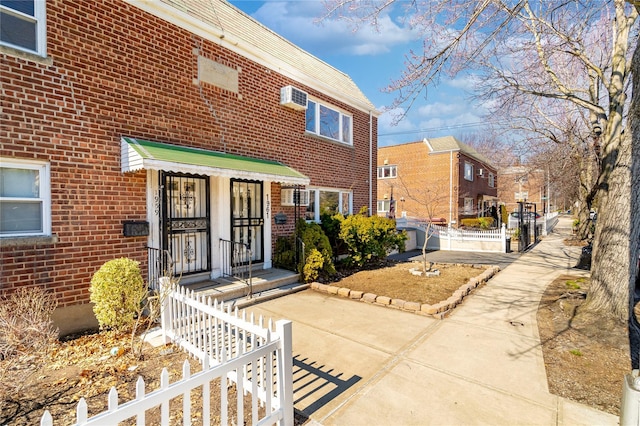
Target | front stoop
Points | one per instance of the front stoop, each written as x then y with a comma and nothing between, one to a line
267,284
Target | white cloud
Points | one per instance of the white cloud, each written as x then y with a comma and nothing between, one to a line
297,20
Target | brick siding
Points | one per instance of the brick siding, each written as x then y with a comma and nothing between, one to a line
118,71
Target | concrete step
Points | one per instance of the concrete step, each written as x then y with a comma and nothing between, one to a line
225,289
268,294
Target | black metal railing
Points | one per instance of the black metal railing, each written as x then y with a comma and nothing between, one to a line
236,262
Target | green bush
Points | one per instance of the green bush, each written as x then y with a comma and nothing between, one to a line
117,291
313,266
285,254
504,215
331,224
314,238
471,223
485,222
370,239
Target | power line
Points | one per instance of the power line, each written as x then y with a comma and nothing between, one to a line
435,129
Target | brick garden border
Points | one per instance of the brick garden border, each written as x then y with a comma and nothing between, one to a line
438,311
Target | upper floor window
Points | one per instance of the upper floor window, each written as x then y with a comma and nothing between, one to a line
385,172
25,200
492,180
23,25
328,122
468,171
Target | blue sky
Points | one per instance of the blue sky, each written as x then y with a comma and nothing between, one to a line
373,59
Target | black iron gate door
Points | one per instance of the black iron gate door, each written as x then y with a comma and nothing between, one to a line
186,222
247,221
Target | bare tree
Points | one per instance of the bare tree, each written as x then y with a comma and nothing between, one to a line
571,51
429,199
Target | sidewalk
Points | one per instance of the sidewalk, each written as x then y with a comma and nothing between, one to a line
358,364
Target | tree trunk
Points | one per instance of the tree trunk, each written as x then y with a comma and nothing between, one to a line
615,250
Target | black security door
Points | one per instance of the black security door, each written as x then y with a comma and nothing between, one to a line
186,222
247,222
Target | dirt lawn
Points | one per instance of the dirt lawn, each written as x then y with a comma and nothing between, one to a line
581,365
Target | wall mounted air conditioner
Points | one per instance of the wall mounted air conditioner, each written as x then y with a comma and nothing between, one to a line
288,197
480,172
293,98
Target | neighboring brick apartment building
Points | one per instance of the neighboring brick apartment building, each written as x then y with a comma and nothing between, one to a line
441,179
522,183
170,124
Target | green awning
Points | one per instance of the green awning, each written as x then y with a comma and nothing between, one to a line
141,154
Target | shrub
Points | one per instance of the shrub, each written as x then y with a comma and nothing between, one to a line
314,238
471,223
285,253
26,334
313,266
370,239
117,291
25,322
331,225
485,222
504,215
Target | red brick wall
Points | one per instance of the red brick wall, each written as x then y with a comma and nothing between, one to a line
118,71
424,180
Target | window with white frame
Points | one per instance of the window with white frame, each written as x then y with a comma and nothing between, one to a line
468,206
387,172
468,171
384,206
329,201
25,200
23,26
492,180
328,122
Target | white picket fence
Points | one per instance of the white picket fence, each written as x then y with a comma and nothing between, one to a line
448,238
255,357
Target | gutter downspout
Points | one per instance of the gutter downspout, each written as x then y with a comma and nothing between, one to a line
450,187
370,163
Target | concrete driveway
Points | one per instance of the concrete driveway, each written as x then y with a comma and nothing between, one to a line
359,364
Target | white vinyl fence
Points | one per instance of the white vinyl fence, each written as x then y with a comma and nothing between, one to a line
256,358
447,238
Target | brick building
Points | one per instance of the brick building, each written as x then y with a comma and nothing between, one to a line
171,124
441,179
522,183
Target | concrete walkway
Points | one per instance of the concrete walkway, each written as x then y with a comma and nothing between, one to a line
358,364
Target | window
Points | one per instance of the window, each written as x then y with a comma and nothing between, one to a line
492,180
387,172
468,206
328,122
327,201
25,206
383,206
23,25
468,171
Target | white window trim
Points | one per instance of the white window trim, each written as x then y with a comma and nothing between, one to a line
316,131
45,193
492,182
467,164
386,205
468,205
393,172
316,200
40,18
